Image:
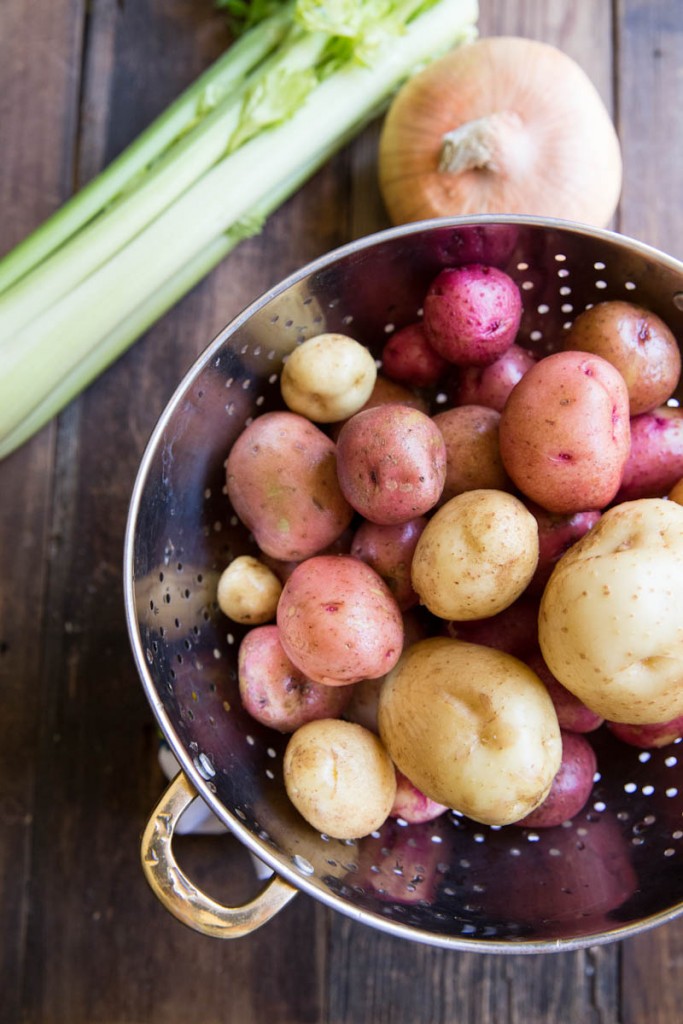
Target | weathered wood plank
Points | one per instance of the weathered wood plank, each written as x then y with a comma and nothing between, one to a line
39,67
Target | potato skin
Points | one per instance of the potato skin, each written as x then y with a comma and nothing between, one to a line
473,457
292,514
610,626
637,342
338,621
275,692
571,788
473,728
389,550
472,313
655,461
476,555
391,463
328,378
409,358
565,432
339,777
491,385
248,591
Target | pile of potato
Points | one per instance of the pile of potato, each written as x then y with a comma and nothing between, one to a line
445,603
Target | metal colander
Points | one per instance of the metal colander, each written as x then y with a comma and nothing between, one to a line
614,869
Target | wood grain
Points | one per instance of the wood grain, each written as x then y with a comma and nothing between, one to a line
83,938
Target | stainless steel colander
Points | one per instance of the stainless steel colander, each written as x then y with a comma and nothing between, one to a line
615,869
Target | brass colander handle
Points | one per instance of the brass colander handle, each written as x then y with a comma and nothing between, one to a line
178,894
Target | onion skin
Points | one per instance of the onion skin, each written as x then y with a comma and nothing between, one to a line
539,140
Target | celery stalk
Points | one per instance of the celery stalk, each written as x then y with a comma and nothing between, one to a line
286,131
179,168
120,174
130,328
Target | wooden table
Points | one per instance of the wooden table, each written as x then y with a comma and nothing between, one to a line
83,939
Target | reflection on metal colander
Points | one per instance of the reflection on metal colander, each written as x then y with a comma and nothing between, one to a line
614,869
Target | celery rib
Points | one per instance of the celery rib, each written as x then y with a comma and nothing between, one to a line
127,269
171,175
229,69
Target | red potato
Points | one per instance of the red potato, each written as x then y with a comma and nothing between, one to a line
389,550
491,385
472,450
281,478
637,342
391,463
412,805
472,314
492,244
556,534
655,461
338,621
565,432
514,630
386,392
275,692
408,357
572,714
648,737
571,787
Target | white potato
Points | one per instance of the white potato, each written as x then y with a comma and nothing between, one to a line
472,727
611,622
248,591
476,555
339,777
328,378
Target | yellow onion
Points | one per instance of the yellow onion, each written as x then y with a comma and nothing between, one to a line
501,125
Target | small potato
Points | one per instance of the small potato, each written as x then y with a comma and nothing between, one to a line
339,777
571,787
411,805
473,457
514,630
389,550
610,627
556,534
491,385
275,692
338,621
408,357
476,555
472,314
328,378
387,392
565,432
637,342
572,714
655,461
391,463
648,737
281,478
473,728
248,591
